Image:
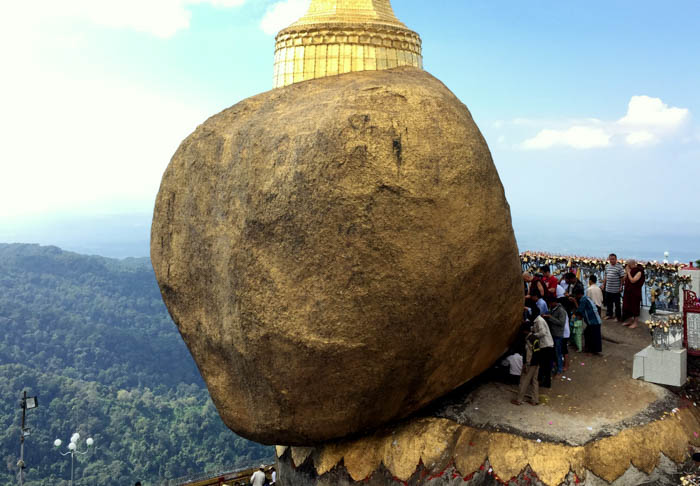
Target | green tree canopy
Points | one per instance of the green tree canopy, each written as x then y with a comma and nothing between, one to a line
91,337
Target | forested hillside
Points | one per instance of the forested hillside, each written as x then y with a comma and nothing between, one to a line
91,337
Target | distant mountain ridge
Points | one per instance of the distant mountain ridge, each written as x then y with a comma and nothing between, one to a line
128,234
110,235
91,336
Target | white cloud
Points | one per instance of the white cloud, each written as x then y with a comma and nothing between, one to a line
282,14
83,143
161,18
648,121
75,137
652,112
641,137
578,137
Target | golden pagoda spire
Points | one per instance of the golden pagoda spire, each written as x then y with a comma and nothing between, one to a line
350,11
341,36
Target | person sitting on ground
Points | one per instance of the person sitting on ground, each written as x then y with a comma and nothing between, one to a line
528,377
556,318
592,336
595,293
577,331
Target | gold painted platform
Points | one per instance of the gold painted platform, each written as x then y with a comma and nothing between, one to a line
436,444
597,425
342,36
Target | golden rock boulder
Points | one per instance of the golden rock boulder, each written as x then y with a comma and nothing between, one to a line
337,254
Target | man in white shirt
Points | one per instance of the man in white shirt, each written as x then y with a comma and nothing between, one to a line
594,292
258,477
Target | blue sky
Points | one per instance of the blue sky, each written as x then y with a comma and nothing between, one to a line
590,108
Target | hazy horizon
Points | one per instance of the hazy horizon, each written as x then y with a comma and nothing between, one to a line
128,235
589,109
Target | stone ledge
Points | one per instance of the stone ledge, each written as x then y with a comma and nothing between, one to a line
421,450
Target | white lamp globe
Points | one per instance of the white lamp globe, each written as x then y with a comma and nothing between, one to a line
75,437
89,441
71,446
57,443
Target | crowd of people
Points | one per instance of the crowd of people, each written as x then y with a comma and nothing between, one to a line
259,478
560,312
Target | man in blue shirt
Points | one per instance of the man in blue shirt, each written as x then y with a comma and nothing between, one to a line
542,306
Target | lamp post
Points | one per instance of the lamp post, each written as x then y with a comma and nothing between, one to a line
26,403
73,450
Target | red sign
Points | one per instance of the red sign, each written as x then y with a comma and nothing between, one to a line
691,322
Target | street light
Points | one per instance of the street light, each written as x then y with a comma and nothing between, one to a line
26,403
73,450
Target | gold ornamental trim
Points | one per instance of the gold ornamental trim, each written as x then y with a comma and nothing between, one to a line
342,36
437,443
389,37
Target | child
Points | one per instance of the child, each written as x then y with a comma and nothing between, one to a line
577,331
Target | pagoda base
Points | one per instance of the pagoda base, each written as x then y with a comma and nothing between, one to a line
595,426
437,452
